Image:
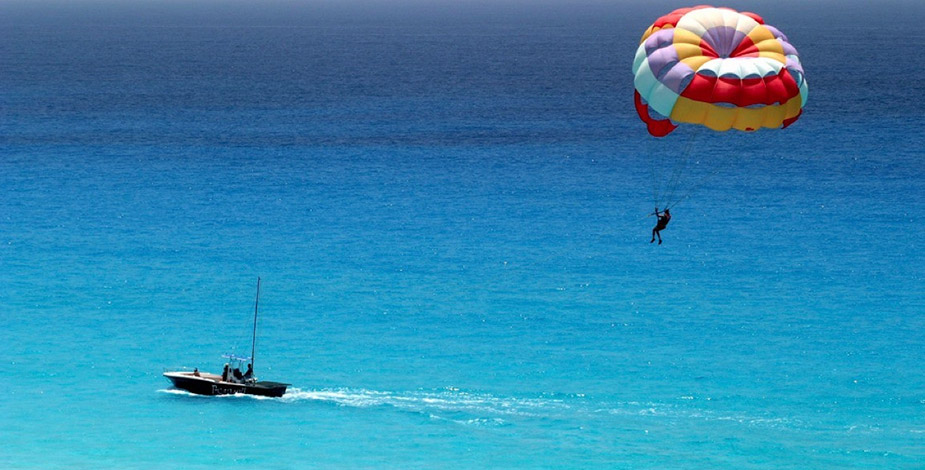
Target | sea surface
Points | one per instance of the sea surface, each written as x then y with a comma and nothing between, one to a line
447,206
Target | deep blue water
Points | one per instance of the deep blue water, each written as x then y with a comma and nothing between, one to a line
447,206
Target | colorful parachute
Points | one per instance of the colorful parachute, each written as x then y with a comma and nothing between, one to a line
718,68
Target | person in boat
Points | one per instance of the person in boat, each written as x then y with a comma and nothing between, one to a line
238,376
226,373
249,373
196,372
663,220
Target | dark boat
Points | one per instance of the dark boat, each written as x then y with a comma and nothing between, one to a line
212,384
231,381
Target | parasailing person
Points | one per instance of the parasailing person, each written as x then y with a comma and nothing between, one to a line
663,220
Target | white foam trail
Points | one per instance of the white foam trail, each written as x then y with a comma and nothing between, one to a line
174,391
476,409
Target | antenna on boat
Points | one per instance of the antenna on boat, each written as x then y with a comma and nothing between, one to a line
254,339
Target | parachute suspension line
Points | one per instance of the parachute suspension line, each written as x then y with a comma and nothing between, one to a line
656,181
680,167
656,160
652,176
675,178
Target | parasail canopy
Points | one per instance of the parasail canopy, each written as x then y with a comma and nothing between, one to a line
718,68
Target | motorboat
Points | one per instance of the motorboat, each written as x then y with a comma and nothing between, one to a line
231,381
204,383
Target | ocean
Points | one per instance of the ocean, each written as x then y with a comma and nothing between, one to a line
447,206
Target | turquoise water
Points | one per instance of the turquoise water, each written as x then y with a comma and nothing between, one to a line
447,209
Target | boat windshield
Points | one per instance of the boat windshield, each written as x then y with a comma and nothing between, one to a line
239,369
237,359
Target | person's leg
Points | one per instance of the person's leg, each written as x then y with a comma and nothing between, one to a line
653,236
659,233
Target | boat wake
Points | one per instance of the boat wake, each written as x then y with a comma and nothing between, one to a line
450,404
482,409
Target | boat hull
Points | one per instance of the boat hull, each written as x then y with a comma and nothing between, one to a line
210,384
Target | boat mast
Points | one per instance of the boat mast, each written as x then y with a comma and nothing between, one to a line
254,339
